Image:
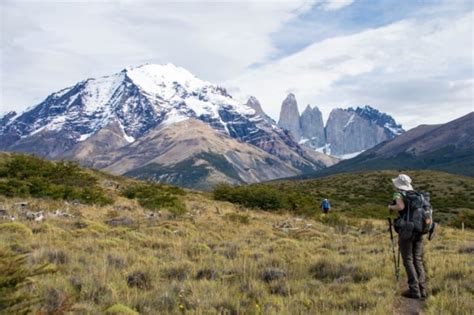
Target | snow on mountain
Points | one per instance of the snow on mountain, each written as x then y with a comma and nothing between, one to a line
139,97
103,123
381,119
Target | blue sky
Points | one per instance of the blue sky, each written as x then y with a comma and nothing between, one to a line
317,24
412,59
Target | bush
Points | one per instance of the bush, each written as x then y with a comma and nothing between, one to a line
155,196
328,271
16,229
240,218
29,176
265,197
15,276
272,274
120,309
139,279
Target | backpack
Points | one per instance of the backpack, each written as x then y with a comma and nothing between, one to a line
325,204
418,211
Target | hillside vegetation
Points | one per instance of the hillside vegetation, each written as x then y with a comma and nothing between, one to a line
159,249
359,195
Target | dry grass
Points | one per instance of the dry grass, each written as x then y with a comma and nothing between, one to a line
218,258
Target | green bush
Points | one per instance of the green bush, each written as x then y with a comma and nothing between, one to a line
120,309
29,176
265,197
15,277
155,196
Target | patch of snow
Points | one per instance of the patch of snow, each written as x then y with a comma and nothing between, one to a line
349,155
202,107
84,137
326,149
160,79
173,117
350,121
98,92
62,92
128,138
38,130
395,131
303,141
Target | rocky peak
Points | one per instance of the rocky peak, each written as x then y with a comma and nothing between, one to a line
381,119
255,104
312,127
290,116
349,132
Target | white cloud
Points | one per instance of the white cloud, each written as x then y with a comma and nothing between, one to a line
420,69
332,5
47,45
415,70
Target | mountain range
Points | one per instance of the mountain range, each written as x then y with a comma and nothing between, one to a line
347,132
159,122
446,147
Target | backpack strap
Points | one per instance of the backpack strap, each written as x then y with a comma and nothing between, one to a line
406,201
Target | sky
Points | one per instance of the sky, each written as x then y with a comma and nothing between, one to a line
411,59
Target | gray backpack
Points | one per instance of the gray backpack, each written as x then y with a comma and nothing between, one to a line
418,218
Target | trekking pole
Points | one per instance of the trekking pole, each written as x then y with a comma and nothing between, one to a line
396,265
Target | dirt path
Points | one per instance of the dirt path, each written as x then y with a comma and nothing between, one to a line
405,306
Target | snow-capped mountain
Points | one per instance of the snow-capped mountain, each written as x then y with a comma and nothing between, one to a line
99,121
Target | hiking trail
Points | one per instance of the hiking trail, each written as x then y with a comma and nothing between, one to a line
406,306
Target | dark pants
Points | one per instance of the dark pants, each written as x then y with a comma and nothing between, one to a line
325,210
412,255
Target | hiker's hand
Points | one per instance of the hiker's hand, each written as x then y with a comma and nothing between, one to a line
390,208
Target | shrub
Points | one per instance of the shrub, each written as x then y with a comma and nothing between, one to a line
207,274
139,279
240,218
266,197
18,229
15,276
271,274
179,272
328,271
155,196
56,302
253,196
120,309
57,257
29,176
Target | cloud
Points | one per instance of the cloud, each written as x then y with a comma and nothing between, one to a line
416,65
418,70
47,45
332,5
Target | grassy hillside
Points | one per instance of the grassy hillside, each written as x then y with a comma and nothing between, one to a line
446,159
361,195
159,249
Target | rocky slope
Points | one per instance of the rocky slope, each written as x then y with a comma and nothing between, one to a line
255,104
448,147
102,122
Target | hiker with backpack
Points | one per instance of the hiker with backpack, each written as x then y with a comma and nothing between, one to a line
325,206
414,220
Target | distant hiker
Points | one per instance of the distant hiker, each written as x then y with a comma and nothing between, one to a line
325,206
410,225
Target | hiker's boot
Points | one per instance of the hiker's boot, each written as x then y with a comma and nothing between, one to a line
423,293
431,232
411,294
